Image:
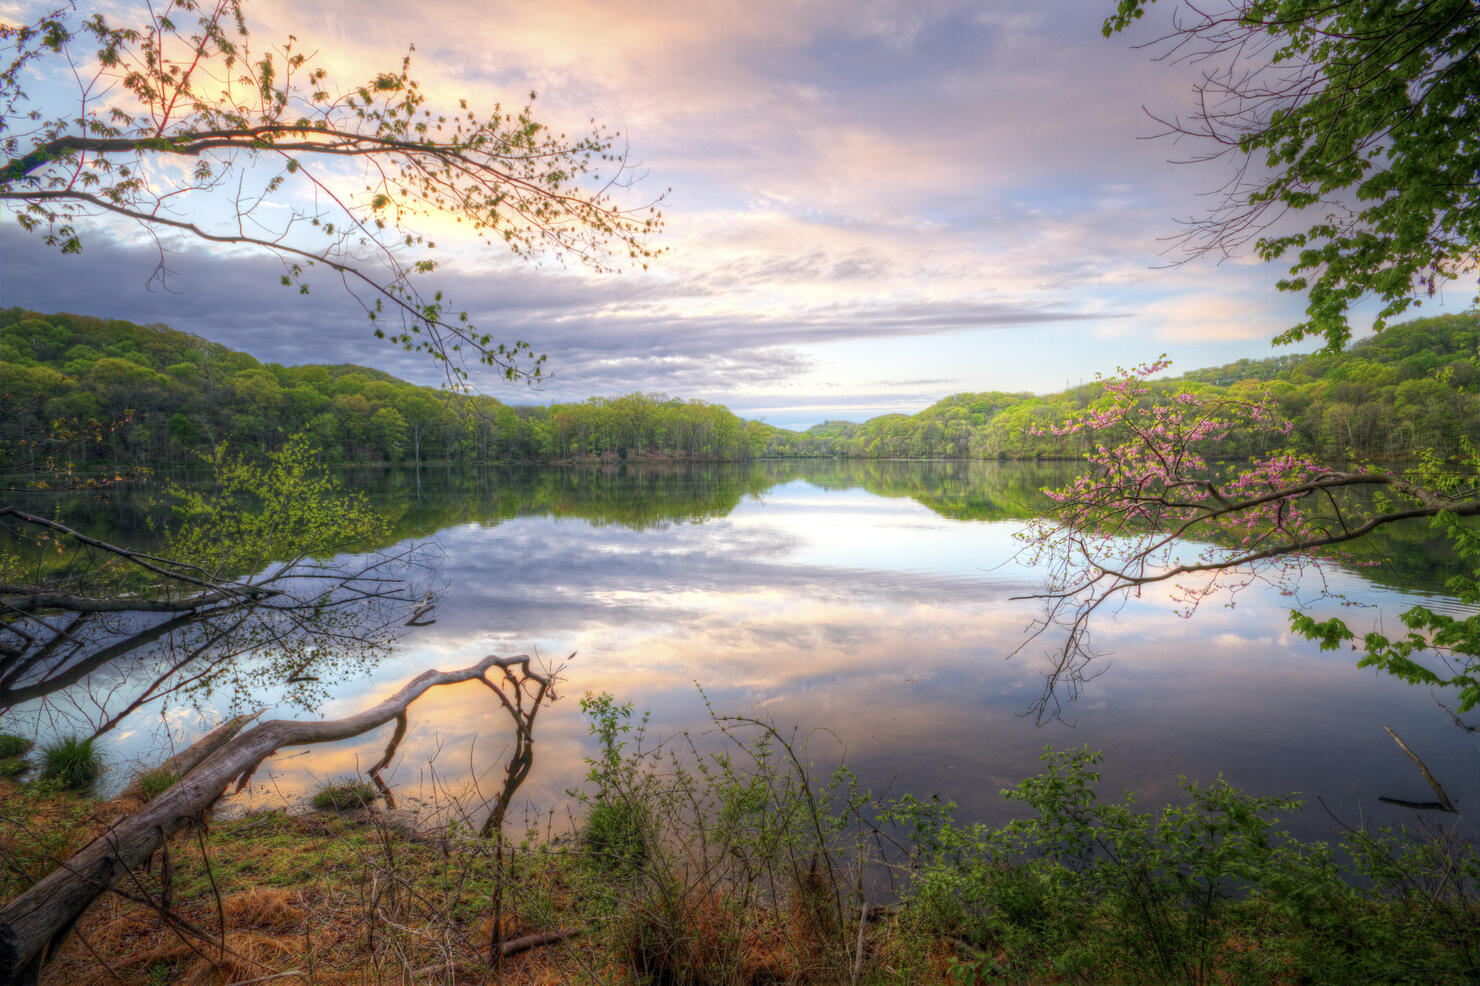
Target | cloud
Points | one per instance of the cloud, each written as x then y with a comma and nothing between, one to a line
1215,314
922,187
604,335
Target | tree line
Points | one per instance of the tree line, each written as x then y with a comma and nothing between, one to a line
130,395
1409,389
111,394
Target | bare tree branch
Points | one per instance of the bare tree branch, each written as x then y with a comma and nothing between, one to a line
268,130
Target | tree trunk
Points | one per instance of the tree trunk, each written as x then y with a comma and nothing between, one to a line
34,924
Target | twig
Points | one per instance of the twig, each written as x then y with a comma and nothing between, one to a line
385,761
268,979
200,838
858,958
98,958
422,608
511,947
1444,803
1415,805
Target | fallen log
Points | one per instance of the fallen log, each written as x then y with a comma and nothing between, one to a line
189,758
34,924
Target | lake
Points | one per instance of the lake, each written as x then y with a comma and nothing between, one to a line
869,606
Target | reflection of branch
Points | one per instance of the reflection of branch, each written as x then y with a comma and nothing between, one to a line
1133,576
54,682
33,923
42,654
1091,570
522,758
217,590
422,608
385,761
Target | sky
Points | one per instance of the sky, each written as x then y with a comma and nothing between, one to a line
868,206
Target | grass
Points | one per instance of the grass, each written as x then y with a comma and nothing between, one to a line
12,745
344,796
71,763
153,783
338,894
748,874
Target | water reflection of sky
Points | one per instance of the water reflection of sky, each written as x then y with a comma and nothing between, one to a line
882,632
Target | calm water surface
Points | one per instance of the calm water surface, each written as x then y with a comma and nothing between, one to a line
869,606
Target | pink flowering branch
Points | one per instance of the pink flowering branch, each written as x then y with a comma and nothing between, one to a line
1157,506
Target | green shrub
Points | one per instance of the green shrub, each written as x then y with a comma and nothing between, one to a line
617,816
693,850
14,767
344,796
71,763
613,832
14,746
1097,891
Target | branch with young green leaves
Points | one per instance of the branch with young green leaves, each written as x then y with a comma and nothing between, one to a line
279,159
1350,128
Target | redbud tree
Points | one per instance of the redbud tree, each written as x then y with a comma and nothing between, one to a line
1157,504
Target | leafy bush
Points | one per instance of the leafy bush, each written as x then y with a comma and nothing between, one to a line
344,796
613,833
729,866
14,767
615,830
1097,891
71,763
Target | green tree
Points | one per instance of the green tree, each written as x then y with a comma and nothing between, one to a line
227,133
388,431
1359,118
419,411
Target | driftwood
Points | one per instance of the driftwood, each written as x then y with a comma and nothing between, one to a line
34,924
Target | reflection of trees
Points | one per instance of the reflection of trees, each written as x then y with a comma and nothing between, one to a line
637,496
958,490
641,496
243,594
417,504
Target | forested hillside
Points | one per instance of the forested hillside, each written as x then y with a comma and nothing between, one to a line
111,393
1412,387
159,396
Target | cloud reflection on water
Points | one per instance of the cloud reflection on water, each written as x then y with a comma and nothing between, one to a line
886,626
